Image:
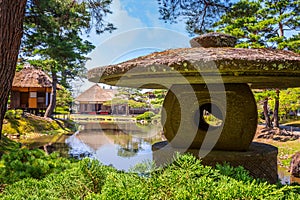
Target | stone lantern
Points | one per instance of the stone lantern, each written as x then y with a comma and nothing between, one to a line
209,109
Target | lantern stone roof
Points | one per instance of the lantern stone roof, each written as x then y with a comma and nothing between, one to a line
260,68
96,94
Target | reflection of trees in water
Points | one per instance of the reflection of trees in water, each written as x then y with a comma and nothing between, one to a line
131,142
127,152
128,137
128,145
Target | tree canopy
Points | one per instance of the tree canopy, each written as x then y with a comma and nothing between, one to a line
199,15
263,23
256,23
53,30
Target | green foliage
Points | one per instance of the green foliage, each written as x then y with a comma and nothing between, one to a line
185,178
131,103
238,173
7,145
82,179
136,104
257,24
62,110
53,32
159,98
245,21
64,99
145,168
13,114
197,15
25,163
130,93
32,124
146,116
263,23
288,100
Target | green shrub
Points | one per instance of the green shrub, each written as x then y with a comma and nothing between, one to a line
84,178
185,178
24,163
145,116
62,110
9,129
7,145
13,114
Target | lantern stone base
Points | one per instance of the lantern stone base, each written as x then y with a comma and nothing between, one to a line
260,159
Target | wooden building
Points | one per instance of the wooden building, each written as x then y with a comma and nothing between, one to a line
31,90
92,100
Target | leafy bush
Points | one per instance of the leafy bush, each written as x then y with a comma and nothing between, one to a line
26,163
185,178
145,116
62,110
13,114
84,178
7,145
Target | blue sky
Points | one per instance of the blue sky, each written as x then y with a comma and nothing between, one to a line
139,32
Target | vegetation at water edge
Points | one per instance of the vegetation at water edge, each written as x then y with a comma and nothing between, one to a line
185,178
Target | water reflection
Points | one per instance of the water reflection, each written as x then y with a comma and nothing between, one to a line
285,177
121,145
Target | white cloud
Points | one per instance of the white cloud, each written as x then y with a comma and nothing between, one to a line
132,38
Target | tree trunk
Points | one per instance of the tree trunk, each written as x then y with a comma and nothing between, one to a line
12,14
127,109
276,109
266,113
52,104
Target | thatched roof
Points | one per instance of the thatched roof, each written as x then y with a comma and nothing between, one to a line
96,94
30,77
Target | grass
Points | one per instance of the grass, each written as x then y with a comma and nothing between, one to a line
32,125
96,118
285,150
293,123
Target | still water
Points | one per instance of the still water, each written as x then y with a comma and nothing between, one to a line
122,145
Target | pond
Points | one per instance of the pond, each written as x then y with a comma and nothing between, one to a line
120,144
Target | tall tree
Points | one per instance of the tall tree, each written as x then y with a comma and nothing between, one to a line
276,109
53,30
264,23
246,22
256,23
11,30
12,13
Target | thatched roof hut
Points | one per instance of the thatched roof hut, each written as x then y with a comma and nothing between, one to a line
31,78
31,89
92,100
96,94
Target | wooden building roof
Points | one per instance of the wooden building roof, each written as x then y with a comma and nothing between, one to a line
30,77
96,94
